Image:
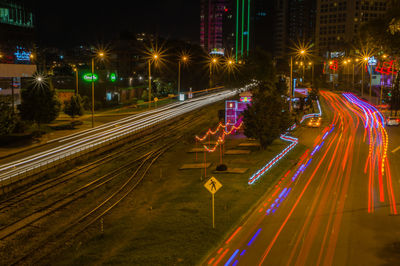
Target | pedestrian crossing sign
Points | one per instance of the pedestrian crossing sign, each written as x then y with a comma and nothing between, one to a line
213,185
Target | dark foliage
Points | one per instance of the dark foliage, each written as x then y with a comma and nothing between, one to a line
39,104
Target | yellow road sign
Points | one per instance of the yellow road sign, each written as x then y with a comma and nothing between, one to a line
212,185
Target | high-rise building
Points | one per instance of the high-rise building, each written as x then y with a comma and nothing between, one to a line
242,28
214,25
235,27
338,22
17,36
262,19
16,25
294,23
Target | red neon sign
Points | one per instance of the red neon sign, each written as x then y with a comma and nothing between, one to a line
387,68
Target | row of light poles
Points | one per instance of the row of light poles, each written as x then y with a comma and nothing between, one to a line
154,57
302,52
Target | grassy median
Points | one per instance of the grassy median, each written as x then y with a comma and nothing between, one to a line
167,219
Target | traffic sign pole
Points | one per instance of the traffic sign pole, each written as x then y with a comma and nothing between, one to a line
205,167
213,217
213,185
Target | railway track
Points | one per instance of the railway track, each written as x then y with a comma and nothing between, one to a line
13,230
48,184
74,229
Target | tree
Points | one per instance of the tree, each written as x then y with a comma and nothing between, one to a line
8,119
259,66
74,107
268,116
383,34
312,97
39,103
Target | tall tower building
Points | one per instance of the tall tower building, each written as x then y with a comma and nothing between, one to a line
243,29
338,22
235,27
17,36
213,33
16,26
294,23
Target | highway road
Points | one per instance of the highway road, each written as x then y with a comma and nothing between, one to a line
60,148
337,206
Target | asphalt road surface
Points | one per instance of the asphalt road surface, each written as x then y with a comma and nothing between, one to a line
337,206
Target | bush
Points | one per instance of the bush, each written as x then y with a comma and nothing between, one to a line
86,103
222,167
20,126
74,107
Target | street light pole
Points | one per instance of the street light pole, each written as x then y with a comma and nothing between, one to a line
92,92
312,73
179,77
362,80
291,84
77,81
370,83
149,84
211,82
353,77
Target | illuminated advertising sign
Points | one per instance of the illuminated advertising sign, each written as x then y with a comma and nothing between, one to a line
372,61
219,51
21,55
230,112
245,99
113,77
88,77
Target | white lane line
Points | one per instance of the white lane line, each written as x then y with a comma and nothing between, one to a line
398,148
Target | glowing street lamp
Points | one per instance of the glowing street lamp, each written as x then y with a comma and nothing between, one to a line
300,51
312,73
76,81
100,55
154,57
182,59
213,63
364,63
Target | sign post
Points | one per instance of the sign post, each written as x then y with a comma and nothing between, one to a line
213,185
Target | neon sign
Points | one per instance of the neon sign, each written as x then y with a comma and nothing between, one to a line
333,65
245,99
386,68
88,77
372,61
21,55
113,77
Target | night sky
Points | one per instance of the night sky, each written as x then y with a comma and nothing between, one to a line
64,23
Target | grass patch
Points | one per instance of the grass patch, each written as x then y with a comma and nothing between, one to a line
167,219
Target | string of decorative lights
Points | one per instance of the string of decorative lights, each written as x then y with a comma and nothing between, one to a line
221,139
210,132
293,142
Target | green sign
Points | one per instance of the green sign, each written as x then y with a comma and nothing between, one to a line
88,77
113,77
